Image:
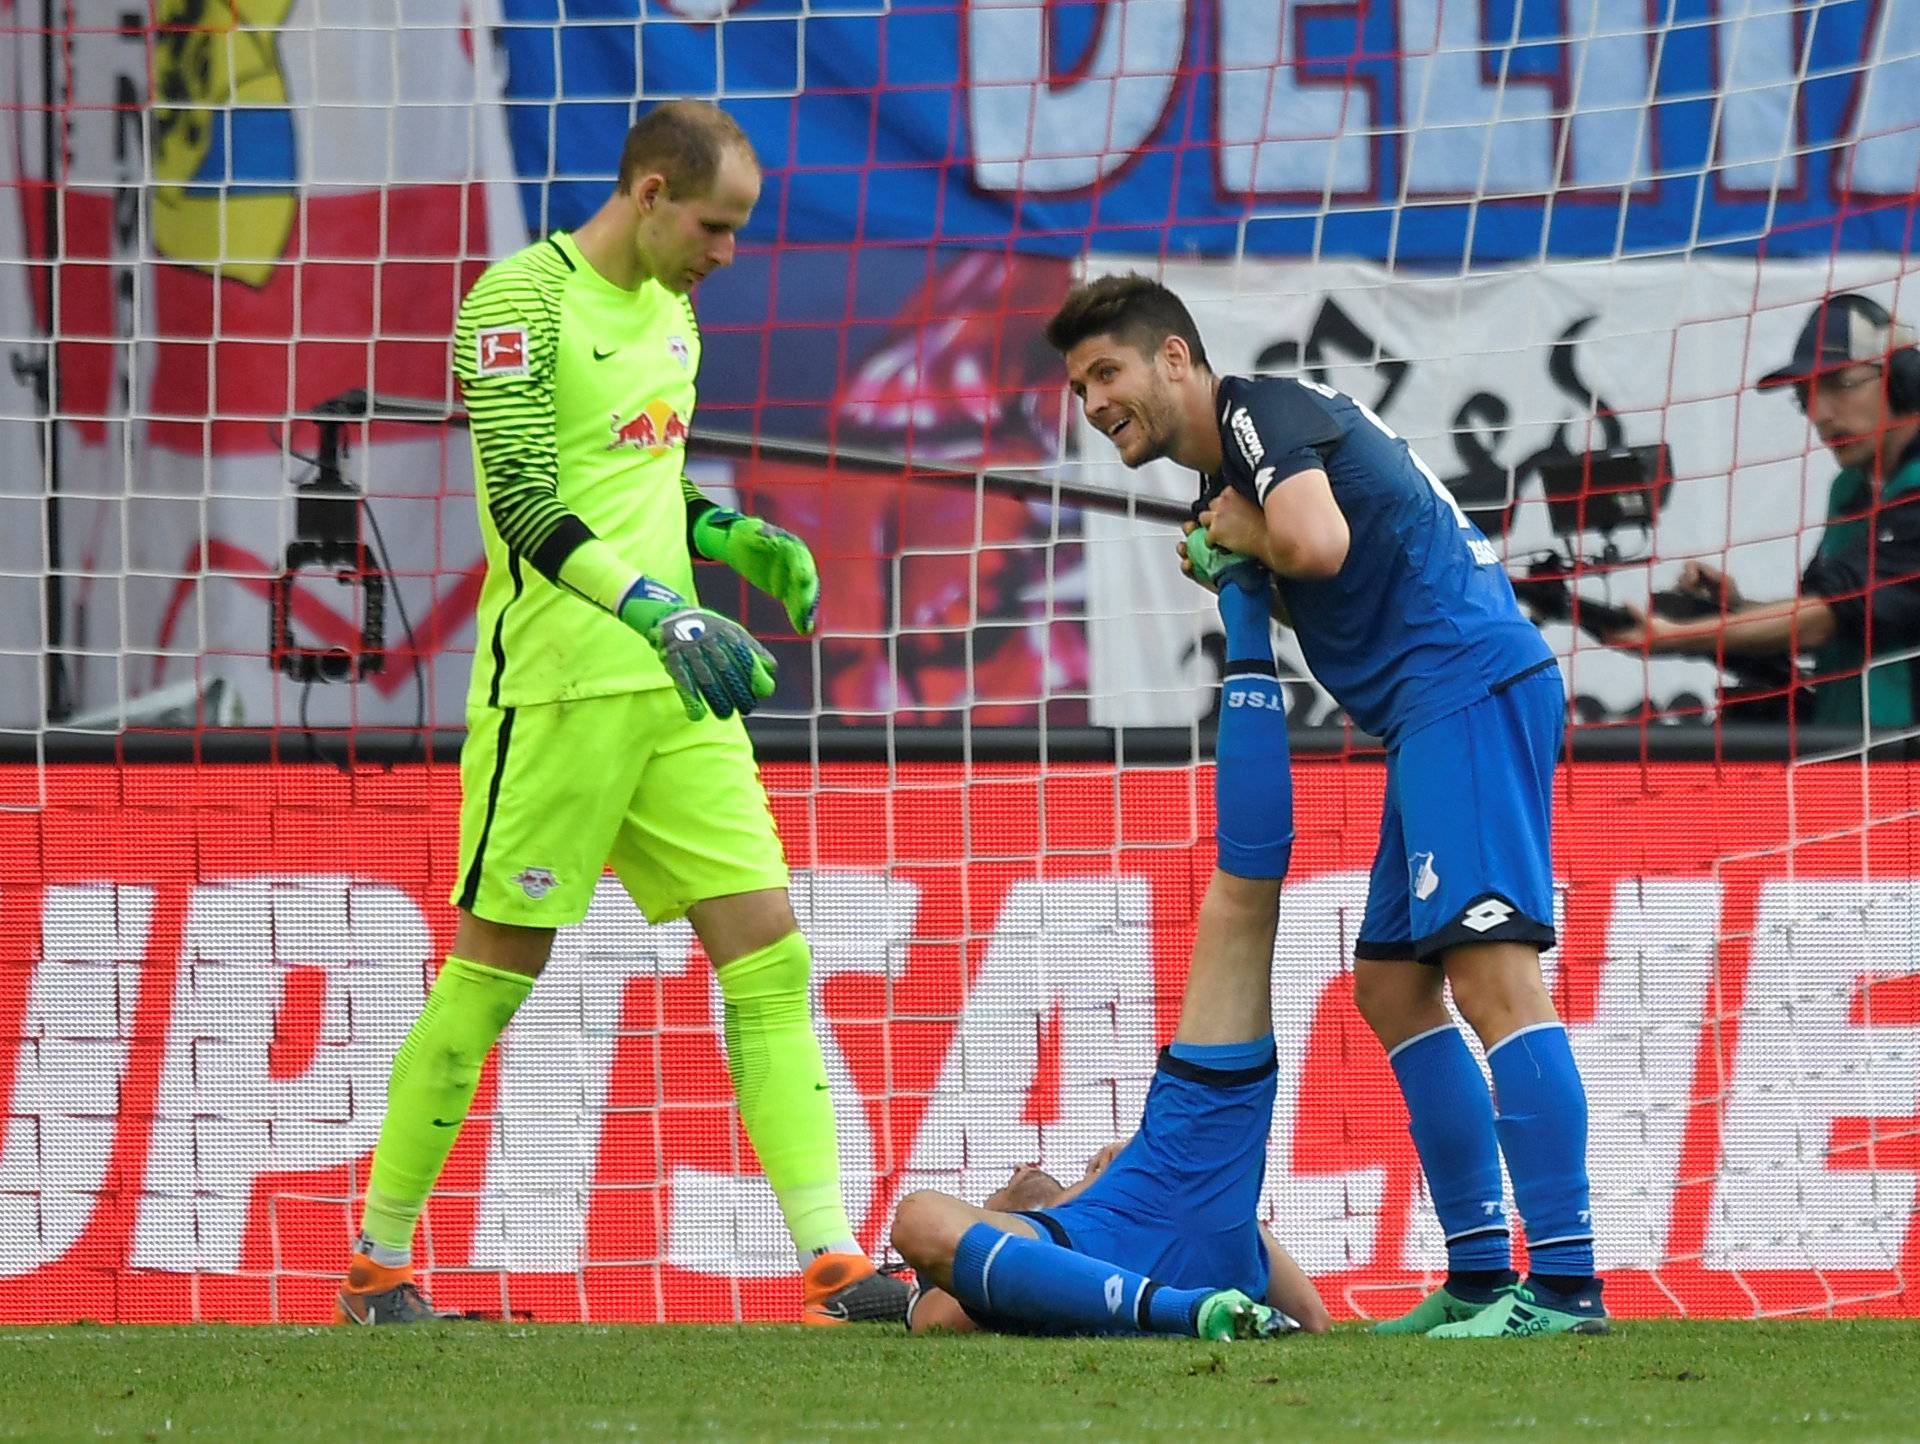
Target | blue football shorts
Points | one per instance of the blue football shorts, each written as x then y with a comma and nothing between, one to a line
1180,1203
1466,834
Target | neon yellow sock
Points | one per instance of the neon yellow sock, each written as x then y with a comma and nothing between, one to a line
781,1082
434,1076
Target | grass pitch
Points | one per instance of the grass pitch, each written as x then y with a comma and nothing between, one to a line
466,1382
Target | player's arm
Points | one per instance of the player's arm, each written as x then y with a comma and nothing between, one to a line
771,558
1299,531
1278,504
1290,1290
505,342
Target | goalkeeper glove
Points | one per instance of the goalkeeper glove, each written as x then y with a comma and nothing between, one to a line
774,560
713,660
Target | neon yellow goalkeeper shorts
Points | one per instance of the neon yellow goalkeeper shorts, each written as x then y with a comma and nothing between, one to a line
552,794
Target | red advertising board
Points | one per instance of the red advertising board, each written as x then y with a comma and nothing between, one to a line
204,972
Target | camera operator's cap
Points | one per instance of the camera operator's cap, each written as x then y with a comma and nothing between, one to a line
1843,330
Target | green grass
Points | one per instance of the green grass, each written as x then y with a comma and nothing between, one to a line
513,1382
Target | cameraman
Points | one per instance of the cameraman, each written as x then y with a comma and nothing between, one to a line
1856,376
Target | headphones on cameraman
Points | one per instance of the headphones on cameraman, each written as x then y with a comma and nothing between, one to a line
1903,354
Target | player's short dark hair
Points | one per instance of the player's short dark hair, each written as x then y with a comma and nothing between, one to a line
683,140
1132,308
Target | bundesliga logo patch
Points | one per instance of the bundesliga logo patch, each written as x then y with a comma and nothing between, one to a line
500,351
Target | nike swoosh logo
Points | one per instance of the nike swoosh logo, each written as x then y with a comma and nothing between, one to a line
446,1122
820,1088
600,355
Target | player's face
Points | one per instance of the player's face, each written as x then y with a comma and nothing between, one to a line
682,241
1127,396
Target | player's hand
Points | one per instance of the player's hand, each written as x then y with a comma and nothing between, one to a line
1235,524
714,661
770,557
1097,1165
1202,560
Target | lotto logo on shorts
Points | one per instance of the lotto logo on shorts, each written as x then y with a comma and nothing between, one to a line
536,882
1484,916
500,351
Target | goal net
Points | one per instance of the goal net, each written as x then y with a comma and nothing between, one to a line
1552,244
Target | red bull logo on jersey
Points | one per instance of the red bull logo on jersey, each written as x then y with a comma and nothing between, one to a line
655,429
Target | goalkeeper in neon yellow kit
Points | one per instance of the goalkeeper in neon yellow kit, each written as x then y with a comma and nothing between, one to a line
604,712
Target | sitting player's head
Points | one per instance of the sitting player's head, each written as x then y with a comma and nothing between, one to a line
1033,1187
1030,1187
1135,360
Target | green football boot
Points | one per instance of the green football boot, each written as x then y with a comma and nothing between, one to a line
1442,1306
1526,1312
1230,1315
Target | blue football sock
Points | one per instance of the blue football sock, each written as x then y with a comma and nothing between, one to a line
1451,1116
1037,1283
1245,611
1543,1133
1253,776
1225,1057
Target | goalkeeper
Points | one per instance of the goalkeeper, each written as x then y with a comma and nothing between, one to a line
603,718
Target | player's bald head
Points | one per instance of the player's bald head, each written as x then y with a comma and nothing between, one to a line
684,141
1133,309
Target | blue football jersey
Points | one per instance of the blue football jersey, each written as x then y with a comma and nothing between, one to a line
1421,620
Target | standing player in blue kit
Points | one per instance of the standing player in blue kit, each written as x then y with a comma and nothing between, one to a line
1406,616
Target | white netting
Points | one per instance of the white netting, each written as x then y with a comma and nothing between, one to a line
1526,234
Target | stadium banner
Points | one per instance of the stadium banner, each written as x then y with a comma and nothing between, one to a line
206,972
317,187
1176,127
1494,379
265,203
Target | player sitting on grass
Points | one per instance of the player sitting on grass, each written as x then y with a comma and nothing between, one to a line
1161,1235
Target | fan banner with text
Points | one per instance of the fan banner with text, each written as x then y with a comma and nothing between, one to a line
207,971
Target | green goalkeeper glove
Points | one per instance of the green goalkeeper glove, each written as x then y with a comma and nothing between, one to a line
713,660
774,560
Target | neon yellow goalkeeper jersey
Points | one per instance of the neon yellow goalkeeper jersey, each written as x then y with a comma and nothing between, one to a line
580,394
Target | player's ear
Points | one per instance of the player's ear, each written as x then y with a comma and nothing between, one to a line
1177,358
649,191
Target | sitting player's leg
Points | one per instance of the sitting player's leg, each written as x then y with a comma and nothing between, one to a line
1223,1043
534,832
1008,1276
699,841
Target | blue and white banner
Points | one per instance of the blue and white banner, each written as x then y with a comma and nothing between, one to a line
1434,132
